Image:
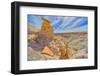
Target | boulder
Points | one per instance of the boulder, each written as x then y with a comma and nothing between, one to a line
47,51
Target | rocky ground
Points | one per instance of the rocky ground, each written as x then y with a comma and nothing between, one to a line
78,42
74,46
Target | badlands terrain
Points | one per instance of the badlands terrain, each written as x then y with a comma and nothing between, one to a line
41,46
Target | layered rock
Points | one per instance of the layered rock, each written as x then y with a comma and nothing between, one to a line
34,55
47,29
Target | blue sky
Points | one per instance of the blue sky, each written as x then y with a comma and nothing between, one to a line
61,24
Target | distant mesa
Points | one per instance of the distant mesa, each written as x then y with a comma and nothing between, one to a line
32,29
